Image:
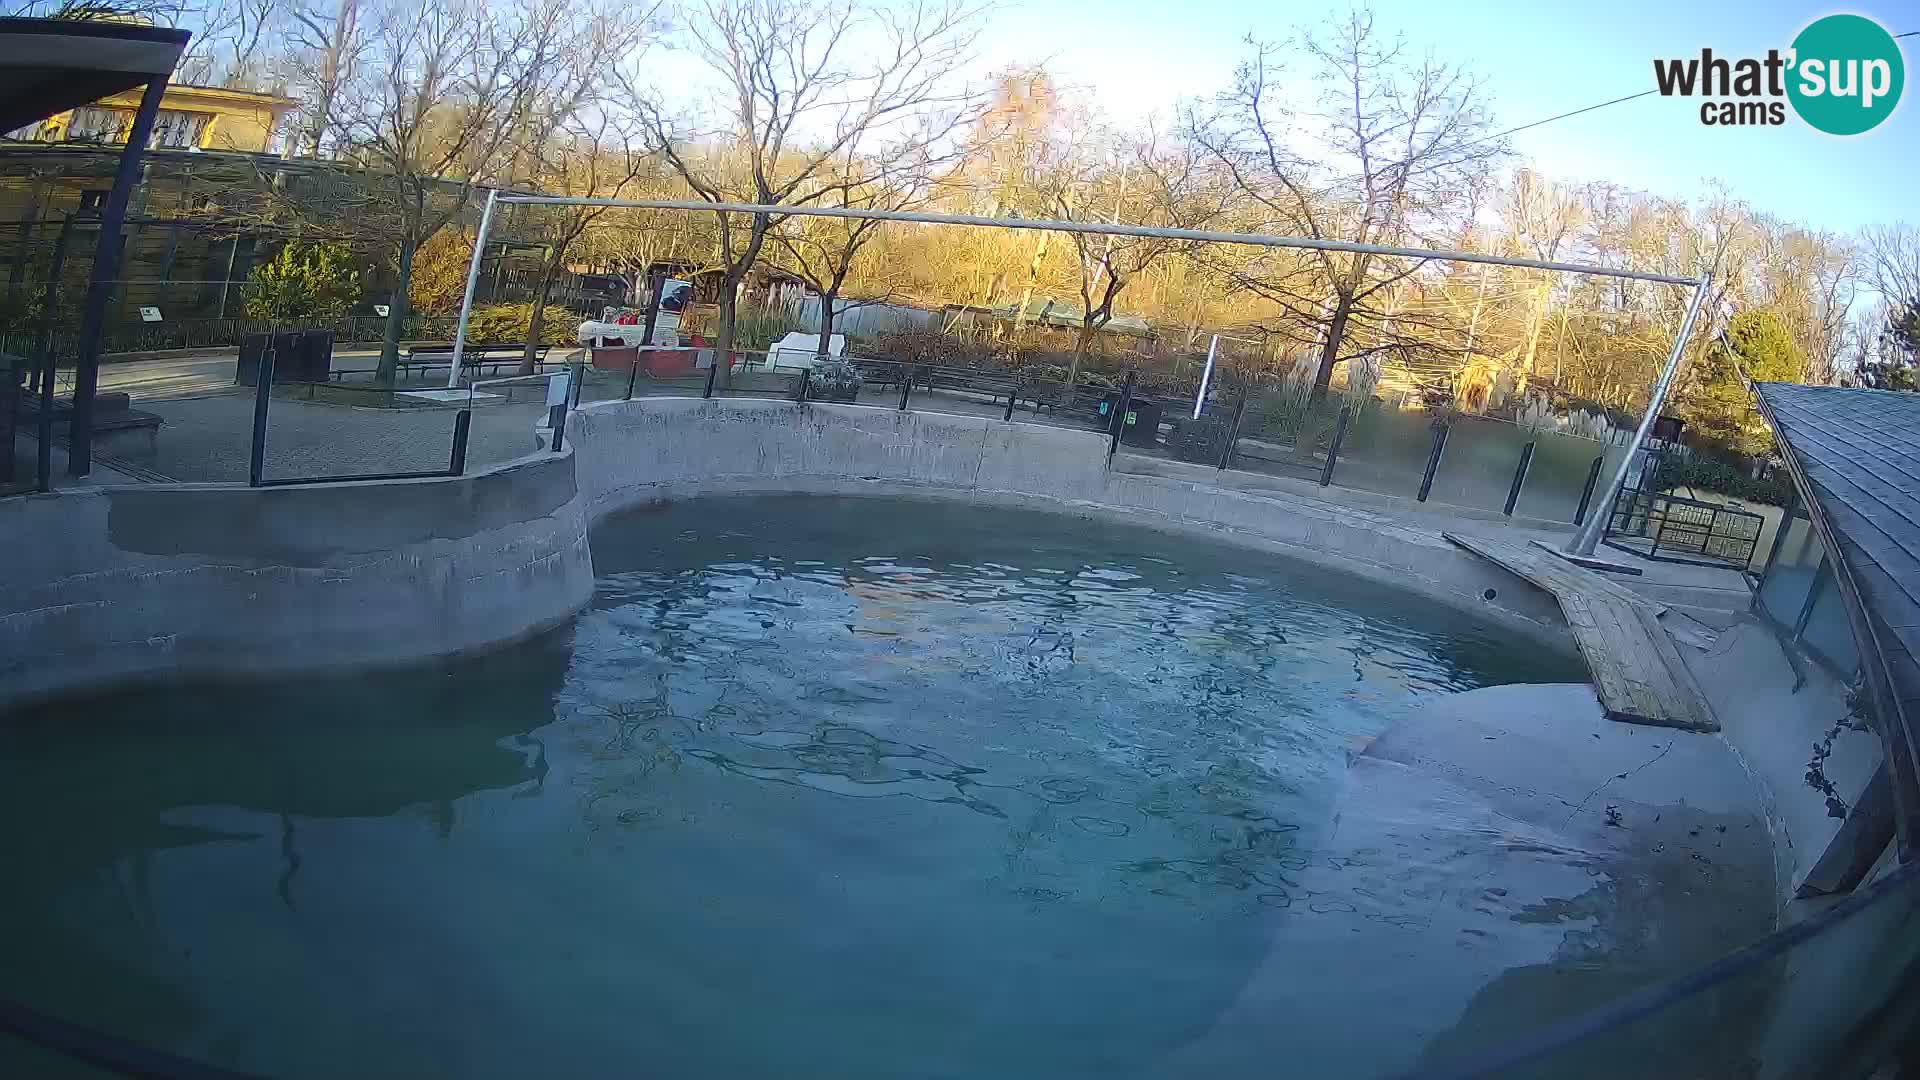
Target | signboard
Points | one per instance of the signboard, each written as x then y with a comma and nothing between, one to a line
149,314
382,310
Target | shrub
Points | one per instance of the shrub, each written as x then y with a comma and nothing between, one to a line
836,379
506,324
1704,472
302,282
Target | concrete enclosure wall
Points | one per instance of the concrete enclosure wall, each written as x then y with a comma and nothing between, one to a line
108,585
631,452
113,584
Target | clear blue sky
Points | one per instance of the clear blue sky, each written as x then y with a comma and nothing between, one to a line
1537,60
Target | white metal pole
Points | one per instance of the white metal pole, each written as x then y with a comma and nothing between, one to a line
1097,228
1205,377
1601,510
473,280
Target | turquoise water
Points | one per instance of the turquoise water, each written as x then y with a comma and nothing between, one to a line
816,788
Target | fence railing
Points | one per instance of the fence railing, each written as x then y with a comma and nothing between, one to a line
265,387
1670,528
1460,460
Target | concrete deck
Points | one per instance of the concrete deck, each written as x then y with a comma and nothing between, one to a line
1559,860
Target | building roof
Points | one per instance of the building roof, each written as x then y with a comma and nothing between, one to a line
48,66
1857,453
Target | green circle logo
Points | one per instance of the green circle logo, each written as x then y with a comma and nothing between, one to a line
1847,74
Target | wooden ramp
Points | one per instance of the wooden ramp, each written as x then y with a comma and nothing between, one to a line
1637,670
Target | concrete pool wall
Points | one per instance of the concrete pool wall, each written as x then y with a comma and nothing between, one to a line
108,585
635,452
113,584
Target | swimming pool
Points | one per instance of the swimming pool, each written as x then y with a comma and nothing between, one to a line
816,787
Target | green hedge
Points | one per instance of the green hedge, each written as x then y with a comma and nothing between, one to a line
1703,473
506,324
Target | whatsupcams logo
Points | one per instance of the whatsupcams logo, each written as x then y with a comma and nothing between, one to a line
1843,76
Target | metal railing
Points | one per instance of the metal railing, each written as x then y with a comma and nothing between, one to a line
1670,528
257,454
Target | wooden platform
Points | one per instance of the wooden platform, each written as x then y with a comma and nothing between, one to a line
1637,670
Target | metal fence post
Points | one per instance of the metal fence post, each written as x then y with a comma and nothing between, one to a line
262,395
49,363
1233,431
806,382
632,374
1119,424
1440,432
1519,478
1586,493
457,464
1012,395
713,372
579,383
906,384
1333,451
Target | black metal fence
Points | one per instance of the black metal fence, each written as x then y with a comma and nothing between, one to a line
1669,528
267,388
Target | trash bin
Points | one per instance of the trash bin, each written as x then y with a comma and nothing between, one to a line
1143,419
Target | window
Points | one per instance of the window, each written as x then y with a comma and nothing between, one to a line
172,129
99,125
178,130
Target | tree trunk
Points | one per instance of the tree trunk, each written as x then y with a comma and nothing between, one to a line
537,320
723,347
396,315
1082,342
826,325
1330,352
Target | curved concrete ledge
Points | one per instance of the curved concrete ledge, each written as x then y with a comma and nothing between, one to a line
113,584
116,584
633,452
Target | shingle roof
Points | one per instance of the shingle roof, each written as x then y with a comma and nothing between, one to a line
1860,453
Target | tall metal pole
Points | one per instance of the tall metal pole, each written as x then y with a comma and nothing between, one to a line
106,270
1588,538
473,280
1206,377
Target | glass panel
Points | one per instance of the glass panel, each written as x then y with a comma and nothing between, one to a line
1820,1008
1385,449
1827,632
1561,464
1784,589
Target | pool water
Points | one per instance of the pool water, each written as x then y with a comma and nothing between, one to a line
816,787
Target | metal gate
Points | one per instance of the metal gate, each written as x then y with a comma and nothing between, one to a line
1669,528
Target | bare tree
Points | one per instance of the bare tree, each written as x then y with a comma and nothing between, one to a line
1389,158
594,157
327,42
445,95
1890,258
1153,182
806,84
231,45
157,12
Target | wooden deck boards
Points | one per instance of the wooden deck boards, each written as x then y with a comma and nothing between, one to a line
1638,672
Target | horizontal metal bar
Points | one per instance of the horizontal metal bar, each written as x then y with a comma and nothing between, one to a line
1099,228
291,481
543,377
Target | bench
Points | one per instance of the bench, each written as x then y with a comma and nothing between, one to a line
473,357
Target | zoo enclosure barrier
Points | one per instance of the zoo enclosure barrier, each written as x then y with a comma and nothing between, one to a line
560,389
